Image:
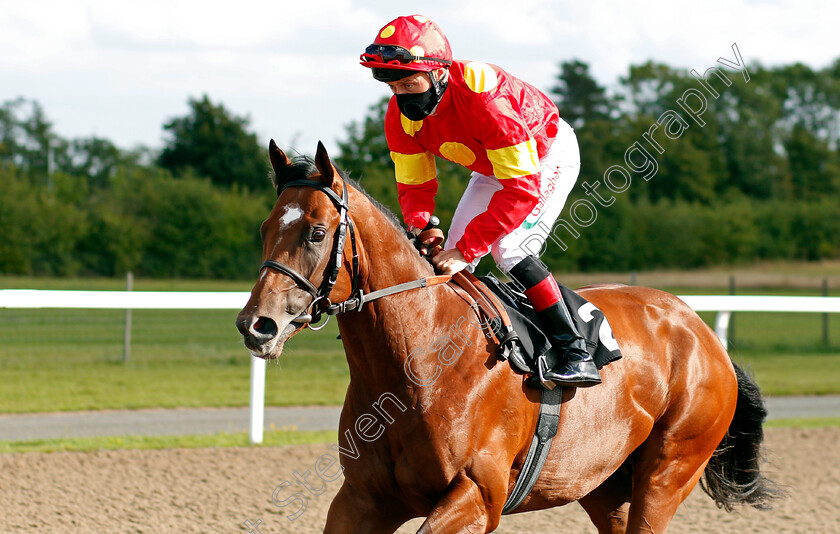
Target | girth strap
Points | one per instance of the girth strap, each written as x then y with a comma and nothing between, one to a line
549,420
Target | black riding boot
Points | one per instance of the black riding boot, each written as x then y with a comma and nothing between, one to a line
571,364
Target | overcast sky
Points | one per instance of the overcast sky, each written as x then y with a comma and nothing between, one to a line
119,69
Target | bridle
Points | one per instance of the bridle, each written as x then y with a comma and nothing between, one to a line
321,302
320,296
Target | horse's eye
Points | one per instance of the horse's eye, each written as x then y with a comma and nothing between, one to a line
318,235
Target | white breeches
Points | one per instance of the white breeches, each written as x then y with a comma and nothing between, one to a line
558,174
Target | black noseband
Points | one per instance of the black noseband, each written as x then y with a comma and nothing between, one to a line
301,281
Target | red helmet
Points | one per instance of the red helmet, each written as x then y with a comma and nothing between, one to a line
412,43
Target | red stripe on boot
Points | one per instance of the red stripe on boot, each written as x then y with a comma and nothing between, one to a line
544,295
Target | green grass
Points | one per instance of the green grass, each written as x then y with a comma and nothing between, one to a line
270,439
68,360
817,422
794,373
240,439
785,351
118,284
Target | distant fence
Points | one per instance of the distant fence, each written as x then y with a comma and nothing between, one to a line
724,305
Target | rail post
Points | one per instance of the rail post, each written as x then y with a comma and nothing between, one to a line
129,286
730,320
825,339
722,327
257,400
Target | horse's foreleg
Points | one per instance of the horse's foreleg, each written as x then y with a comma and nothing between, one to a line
465,510
351,513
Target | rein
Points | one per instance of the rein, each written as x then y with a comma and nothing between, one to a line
320,296
501,332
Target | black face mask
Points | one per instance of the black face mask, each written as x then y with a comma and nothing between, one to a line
418,106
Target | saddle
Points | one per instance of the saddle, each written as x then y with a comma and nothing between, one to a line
509,320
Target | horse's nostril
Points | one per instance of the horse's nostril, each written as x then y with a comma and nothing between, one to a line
265,327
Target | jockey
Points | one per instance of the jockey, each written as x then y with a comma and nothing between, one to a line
524,160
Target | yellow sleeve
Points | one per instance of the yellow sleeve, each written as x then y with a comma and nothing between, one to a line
414,169
515,161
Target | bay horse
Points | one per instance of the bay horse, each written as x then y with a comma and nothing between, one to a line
459,421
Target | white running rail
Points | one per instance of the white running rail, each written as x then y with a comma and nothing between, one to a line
724,305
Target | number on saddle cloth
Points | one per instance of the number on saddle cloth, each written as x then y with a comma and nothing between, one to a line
589,320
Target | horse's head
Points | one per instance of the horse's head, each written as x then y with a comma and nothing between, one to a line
303,245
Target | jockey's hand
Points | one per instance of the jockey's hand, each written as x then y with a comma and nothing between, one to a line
412,232
449,261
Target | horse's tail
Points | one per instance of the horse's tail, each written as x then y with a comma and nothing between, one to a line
732,475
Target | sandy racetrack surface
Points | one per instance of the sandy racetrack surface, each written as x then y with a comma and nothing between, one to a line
218,490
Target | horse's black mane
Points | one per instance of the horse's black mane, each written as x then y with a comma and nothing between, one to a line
304,166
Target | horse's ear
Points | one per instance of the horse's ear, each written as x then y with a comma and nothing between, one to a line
280,162
324,165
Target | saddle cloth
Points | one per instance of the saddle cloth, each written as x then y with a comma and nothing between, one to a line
533,342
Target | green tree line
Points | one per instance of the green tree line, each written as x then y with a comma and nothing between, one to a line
83,207
759,179
752,173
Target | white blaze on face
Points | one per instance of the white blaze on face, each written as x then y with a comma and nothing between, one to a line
292,214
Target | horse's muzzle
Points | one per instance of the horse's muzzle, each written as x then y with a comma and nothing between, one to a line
262,335
256,331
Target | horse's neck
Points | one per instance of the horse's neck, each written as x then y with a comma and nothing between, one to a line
376,339
389,258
